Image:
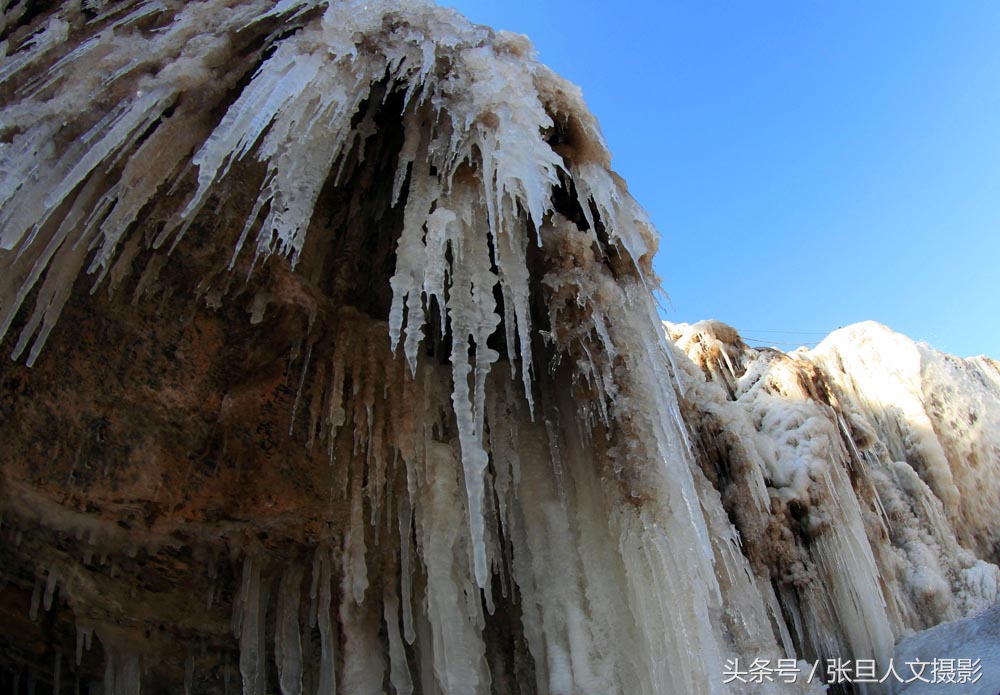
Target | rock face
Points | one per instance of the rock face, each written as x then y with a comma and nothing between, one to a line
335,368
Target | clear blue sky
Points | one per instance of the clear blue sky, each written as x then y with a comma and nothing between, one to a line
808,164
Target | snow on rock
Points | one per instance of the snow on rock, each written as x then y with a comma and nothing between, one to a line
397,235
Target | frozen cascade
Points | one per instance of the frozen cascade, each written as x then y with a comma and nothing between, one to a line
381,374
872,555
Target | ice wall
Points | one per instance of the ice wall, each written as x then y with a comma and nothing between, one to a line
500,474
845,470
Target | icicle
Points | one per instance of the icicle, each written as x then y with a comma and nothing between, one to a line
130,121
399,672
327,684
405,569
554,452
129,680
364,665
354,543
50,588
36,598
249,614
145,9
265,589
458,652
287,644
84,635
122,674
110,672
298,167
316,404
336,416
471,312
411,260
314,588
284,75
52,34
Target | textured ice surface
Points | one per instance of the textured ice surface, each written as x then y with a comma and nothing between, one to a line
870,443
976,639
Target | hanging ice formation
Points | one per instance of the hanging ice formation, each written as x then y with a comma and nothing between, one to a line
358,387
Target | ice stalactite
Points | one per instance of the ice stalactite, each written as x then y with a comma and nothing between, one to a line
123,675
249,620
380,373
287,640
321,593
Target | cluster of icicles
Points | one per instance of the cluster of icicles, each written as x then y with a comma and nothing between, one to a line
476,176
302,115
575,485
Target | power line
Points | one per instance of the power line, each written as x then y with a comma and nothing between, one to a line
778,342
749,330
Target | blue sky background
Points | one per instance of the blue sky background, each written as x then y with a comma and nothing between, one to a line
808,164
